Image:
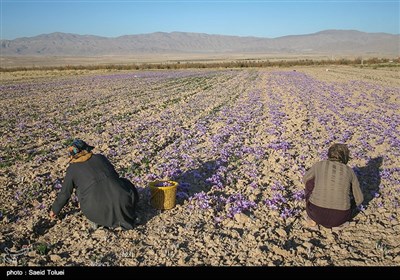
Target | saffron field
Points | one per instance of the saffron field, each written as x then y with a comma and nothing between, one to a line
237,141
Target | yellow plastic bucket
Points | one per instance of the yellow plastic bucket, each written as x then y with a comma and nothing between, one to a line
163,194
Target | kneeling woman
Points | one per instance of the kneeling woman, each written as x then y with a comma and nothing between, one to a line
104,198
328,186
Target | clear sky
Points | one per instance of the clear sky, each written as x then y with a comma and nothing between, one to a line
27,18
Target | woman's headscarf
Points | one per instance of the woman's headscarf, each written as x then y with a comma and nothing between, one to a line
79,150
339,152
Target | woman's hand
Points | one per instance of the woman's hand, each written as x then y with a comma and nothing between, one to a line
52,215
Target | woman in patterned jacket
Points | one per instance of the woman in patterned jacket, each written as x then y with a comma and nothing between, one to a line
329,186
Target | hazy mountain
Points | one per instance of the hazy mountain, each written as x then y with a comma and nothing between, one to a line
329,41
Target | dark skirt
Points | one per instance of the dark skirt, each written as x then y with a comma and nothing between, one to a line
112,204
135,192
324,216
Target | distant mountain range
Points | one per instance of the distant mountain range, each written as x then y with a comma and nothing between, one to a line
327,42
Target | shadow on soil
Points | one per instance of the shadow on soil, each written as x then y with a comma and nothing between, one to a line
370,180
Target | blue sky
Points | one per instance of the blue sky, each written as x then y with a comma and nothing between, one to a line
27,18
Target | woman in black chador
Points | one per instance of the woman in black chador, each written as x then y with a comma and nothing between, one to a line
104,198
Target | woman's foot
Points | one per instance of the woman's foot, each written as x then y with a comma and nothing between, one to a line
93,225
309,222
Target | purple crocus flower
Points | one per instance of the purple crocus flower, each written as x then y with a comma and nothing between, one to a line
299,195
57,184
